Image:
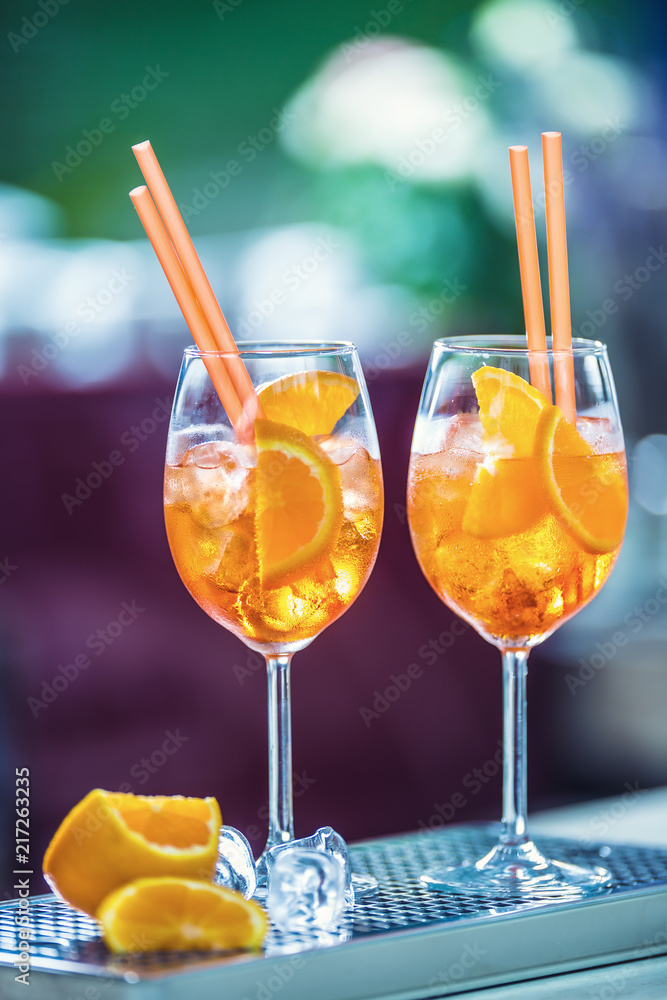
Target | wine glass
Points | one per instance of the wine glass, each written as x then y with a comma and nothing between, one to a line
275,532
516,518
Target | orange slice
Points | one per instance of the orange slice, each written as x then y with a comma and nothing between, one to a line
509,409
151,914
311,401
587,493
110,838
299,503
504,501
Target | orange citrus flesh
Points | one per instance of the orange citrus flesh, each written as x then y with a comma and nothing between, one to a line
299,502
168,913
110,838
504,501
505,497
588,500
311,401
509,408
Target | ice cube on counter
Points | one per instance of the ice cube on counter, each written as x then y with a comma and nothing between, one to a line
306,890
325,840
235,868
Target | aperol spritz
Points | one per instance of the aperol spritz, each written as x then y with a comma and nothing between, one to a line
275,532
517,517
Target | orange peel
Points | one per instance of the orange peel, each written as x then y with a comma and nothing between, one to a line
110,838
509,409
588,498
312,401
151,914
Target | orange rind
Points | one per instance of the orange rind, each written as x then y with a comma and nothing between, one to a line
110,838
587,493
311,401
509,409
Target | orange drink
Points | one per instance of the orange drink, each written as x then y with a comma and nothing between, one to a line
517,519
274,515
211,512
517,516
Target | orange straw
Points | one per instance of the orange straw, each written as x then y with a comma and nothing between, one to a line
189,306
529,268
559,286
192,266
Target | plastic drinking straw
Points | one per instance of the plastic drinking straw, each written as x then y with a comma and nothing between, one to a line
559,286
173,269
529,268
179,236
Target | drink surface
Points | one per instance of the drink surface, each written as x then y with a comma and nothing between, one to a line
211,520
512,548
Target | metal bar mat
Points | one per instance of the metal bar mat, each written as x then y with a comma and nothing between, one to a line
406,941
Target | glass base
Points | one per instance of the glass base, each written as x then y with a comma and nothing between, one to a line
518,870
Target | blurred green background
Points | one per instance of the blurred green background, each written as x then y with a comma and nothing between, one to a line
224,69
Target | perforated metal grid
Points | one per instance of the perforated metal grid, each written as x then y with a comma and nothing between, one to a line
63,940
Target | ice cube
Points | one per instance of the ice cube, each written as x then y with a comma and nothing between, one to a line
209,455
246,455
361,481
235,559
306,890
175,485
339,450
600,431
325,840
456,464
217,482
464,433
235,868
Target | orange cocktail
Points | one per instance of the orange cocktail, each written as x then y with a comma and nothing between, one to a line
273,490
274,521
517,515
211,507
517,519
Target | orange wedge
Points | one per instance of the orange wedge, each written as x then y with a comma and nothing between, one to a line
155,914
505,500
587,493
110,838
299,503
509,409
311,401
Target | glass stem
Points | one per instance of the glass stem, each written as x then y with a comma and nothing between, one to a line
281,822
515,666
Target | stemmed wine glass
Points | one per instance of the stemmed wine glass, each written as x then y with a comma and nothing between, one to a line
275,532
517,517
